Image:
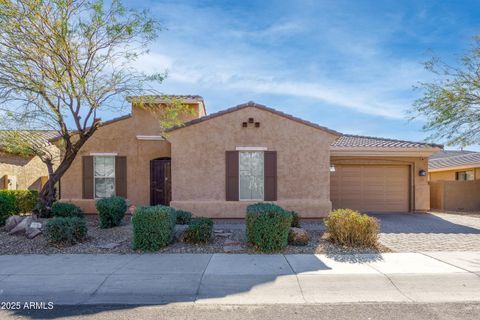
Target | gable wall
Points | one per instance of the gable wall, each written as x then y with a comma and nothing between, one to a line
198,163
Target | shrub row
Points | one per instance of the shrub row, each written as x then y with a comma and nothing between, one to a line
66,210
13,202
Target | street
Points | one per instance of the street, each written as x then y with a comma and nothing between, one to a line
390,311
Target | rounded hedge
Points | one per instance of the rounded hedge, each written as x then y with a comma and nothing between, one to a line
268,226
351,228
199,230
65,209
183,217
153,227
111,211
65,231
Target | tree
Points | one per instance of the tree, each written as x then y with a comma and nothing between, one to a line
451,104
63,61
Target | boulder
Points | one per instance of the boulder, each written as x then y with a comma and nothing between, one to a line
180,232
22,226
12,222
298,237
31,233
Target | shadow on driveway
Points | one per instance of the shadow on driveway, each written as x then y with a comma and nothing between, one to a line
420,223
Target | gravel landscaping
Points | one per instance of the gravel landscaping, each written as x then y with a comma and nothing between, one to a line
229,238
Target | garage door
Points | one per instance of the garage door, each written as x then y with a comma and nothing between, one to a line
374,188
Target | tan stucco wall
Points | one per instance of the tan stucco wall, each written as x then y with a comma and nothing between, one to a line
449,175
456,195
27,170
420,201
120,137
198,163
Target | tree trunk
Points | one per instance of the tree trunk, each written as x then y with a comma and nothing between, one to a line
48,194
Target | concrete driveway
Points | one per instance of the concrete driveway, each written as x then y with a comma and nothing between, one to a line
415,232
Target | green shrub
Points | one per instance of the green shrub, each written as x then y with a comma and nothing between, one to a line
65,209
65,231
26,200
268,226
13,202
199,230
351,228
295,220
183,217
153,227
7,206
111,211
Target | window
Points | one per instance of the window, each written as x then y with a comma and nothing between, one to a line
104,176
464,175
251,177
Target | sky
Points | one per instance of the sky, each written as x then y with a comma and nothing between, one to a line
347,65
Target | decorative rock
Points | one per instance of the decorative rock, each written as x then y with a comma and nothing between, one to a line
224,234
12,222
230,242
298,237
111,245
31,233
22,226
180,232
36,225
232,249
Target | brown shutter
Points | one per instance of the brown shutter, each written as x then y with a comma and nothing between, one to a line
87,181
231,180
270,175
121,176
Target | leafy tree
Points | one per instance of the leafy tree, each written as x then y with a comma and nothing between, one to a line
451,103
62,62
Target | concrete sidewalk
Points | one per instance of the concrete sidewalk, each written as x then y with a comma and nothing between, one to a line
240,279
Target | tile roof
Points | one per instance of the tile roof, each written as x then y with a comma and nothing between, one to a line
39,138
354,141
449,153
168,96
471,158
254,105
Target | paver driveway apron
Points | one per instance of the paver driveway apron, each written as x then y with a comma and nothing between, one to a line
416,232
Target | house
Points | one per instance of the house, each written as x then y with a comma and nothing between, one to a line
453,165
215,165
455,180
25,170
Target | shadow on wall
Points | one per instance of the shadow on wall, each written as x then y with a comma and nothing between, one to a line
152,279
420,223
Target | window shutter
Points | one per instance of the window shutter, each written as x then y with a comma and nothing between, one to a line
121,176
270,175
87,181
231,180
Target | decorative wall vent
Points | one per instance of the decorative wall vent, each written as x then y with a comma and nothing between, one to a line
251,121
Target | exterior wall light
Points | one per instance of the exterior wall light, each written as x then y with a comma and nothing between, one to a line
332,168
422,173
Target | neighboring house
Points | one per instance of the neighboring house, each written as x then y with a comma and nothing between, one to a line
454,166
455,180
216,165
25,171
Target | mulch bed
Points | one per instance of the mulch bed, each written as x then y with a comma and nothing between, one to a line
229,238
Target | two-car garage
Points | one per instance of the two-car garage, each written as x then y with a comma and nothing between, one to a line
371,188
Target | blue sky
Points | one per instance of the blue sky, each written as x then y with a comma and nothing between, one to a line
347,65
